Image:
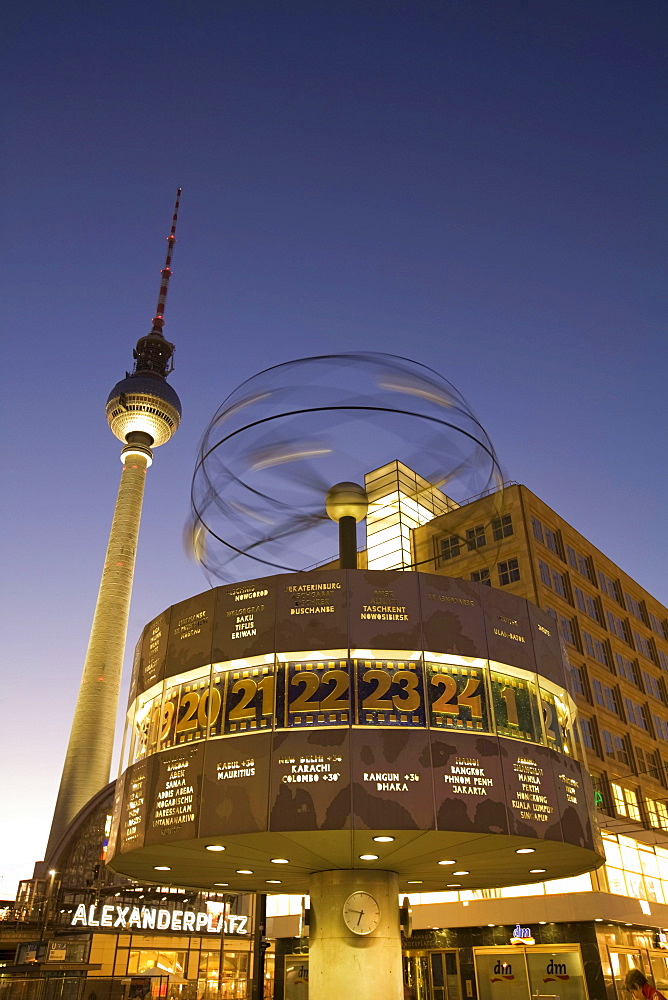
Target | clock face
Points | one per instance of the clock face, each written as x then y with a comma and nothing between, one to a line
361,913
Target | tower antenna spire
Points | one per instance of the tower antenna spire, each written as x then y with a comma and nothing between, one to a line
153,354
166,273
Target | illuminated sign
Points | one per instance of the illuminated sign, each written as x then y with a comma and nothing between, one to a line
151,918
522,935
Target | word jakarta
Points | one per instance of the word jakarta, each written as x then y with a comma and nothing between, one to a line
150,918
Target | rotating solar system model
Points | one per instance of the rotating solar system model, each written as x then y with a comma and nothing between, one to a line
350,733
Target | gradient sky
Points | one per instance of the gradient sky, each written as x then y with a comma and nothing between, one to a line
478,184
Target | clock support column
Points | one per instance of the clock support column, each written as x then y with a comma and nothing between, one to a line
345,964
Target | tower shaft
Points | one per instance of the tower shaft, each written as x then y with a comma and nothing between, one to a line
88,759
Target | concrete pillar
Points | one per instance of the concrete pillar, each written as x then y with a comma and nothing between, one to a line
345,965
88,758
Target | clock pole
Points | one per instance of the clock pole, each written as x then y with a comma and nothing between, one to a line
346,963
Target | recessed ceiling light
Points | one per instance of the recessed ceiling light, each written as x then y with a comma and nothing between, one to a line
414,881
215,847
525,850
536,871
243,871
383,840
222,884
368,857
162,868
628,925
490,925
599,920
542,921
447,862
461,873
453,885
280,861
273,881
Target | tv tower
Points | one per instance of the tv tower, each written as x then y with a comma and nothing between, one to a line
143,411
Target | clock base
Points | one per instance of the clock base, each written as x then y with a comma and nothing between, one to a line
346,964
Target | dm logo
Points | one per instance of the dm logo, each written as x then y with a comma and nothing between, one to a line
555,970
522,935
502,973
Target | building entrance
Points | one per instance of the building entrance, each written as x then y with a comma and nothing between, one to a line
431,975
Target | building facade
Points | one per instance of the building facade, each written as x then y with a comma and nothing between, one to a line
574,937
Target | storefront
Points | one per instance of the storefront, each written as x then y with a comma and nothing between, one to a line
145,950
551,961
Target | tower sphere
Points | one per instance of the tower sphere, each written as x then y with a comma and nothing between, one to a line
145,403
347,500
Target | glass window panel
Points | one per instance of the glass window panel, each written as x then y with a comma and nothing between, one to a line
577,883
630,859
613,854
616,882
558,973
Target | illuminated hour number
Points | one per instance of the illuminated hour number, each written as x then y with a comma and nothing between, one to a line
551,729
450,703
247,687
311,684
166,719
187,722
510,699
208,708
409,699
243,709
266,686
384,696
445,702
336,700
375,701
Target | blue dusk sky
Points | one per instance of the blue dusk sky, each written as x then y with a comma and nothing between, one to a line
477,184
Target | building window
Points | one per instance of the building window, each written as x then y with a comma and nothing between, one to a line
588,734
579,562
450,547
657,625
649,763
537,528
652,686
601,793
597,649
475,537
502,527
587,604
605,696
627,669
567,630
617,626
626,801
610,587
616,747
657,814
635,607
544,571
579,679
481,576
509,572
643,645
635,713
552,541
559,584
663,660
660,727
